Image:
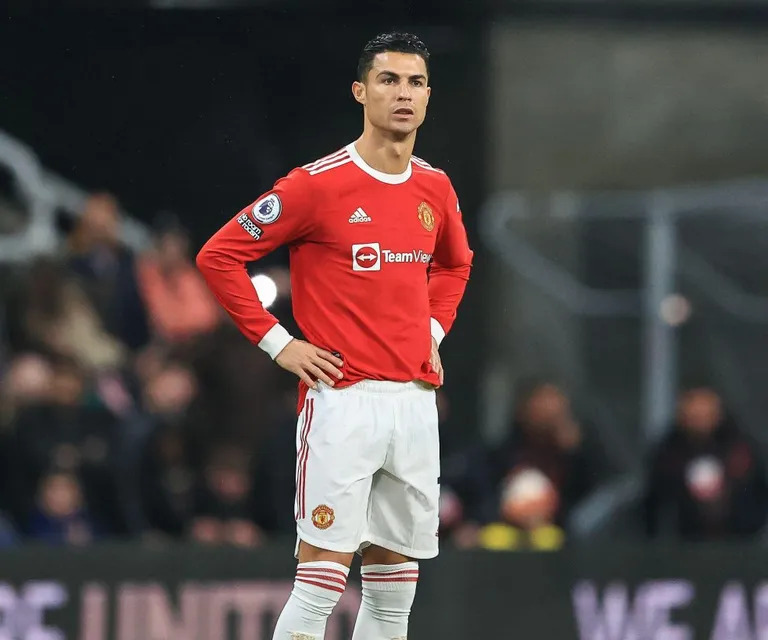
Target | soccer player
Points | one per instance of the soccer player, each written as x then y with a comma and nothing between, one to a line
379,263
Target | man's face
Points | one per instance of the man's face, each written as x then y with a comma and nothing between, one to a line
173,248
101,218
700,412
546,407
395,93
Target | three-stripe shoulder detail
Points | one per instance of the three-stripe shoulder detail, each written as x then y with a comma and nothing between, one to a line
423,164
327,163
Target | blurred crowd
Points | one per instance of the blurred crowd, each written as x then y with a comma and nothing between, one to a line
131,408
129,405
704,481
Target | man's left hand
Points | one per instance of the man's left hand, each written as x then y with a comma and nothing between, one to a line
434,360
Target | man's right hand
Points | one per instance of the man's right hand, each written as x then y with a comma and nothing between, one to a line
310,363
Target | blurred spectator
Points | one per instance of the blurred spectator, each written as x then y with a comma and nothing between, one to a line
169,391
520,493
179,304
168,456
275,472
56,316
706,479
67,429
60,515
528,507
224,510
547,437
243,389
28,380
167,481
464,488
106,271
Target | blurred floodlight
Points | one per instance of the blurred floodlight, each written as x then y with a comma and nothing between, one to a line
675,310
266,289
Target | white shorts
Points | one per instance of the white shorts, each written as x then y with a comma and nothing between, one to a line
368,469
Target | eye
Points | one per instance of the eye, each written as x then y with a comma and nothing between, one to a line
388,80
417,83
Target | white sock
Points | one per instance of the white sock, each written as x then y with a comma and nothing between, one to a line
388,592
316,591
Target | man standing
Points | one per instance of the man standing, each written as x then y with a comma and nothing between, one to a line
379,263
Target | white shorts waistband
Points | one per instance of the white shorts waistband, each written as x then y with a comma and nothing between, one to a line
383,386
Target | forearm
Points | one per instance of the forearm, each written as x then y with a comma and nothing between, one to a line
227,278
446,290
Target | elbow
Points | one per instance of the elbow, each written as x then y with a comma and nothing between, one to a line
203,258
458,266
462,271
458,272
462,267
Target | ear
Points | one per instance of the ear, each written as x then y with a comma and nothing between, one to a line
358,90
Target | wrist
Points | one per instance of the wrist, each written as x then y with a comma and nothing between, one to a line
275,340
437,331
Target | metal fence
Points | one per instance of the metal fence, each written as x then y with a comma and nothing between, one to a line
41,194
627,296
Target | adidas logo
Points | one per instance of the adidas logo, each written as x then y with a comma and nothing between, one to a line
359,216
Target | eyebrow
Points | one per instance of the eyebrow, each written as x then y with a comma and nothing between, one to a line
392,74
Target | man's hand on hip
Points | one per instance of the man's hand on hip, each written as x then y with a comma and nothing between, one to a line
434,360
310,363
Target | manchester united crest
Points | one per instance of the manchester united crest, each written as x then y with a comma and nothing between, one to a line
426,217
323,516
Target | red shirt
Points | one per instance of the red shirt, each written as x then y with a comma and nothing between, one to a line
379,263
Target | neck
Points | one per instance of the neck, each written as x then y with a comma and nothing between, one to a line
384,152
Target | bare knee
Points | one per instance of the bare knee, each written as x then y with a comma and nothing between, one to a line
380,555
310,553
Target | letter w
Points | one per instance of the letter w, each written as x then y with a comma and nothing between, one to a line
615,620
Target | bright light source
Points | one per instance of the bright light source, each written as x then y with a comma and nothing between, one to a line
266,289
675,310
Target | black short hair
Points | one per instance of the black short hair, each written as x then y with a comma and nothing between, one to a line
395,42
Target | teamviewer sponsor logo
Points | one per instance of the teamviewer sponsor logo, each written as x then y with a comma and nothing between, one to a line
417,256
366,257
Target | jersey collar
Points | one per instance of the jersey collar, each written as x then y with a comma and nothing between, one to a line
389,178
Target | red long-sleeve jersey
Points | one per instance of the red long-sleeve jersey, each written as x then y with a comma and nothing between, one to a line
379,263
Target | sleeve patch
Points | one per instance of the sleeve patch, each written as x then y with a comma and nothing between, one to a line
247,224
268,209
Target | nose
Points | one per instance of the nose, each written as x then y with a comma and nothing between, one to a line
404,92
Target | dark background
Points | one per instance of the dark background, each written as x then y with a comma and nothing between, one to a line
200,112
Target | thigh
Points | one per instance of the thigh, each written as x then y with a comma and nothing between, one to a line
405,493
339,448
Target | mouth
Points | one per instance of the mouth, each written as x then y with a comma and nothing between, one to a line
404,111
